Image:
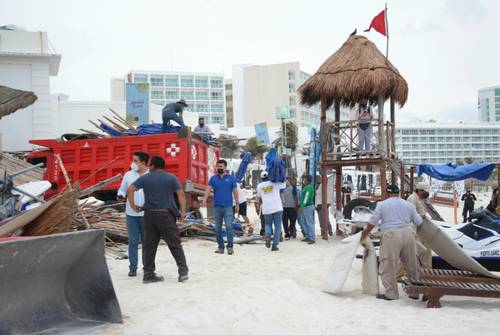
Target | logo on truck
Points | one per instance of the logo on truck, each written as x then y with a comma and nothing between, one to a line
173,150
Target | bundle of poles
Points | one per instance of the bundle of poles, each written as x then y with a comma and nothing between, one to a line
115,124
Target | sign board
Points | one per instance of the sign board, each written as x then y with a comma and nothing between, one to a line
137,96
261,133
282,113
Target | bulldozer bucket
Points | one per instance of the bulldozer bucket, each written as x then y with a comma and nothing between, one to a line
56,284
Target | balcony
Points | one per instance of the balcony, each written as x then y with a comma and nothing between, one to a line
342,143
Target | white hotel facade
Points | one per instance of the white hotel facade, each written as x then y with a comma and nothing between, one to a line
204,92
440,143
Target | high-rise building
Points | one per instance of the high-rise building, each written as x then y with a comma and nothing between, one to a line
258,90
229,103
27,62
440,143
489,104
204,92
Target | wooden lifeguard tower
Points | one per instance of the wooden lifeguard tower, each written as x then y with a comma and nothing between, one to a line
357,71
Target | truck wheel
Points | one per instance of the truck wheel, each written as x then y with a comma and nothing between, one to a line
359,202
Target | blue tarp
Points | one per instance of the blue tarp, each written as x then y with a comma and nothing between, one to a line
155,128
451,172
242,169
276,170
269,158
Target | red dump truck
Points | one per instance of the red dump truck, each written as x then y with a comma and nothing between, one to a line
90,161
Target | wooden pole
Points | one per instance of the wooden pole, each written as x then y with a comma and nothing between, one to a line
387,33
324,171
382,147
393,127
338,168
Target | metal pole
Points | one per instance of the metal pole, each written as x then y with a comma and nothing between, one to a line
386,32
12,175
324,171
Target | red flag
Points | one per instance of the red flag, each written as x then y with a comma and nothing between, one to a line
379,23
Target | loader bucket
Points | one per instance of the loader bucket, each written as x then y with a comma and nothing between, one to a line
56,284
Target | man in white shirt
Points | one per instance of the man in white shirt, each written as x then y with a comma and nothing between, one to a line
134,220
268,193
242,199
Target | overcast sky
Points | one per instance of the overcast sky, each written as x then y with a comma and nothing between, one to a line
446,49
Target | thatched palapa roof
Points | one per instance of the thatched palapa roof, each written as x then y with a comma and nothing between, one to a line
11,100
358,70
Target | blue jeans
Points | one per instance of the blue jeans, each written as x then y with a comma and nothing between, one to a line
167,116
224,213
307,220
274,219
135,230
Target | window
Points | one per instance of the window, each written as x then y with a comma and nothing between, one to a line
201,95
187,95
217,108
216,96
172,95
216,82
218,119
157,94
186,81
202,108
291,75
140,78
291,88
172,81
201,81
291,100
497,91
292,112
156,80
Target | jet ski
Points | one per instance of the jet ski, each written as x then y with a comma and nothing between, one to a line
479,238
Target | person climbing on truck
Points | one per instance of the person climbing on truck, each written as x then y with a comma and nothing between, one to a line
173,112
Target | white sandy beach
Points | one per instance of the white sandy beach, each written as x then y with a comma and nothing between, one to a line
257,291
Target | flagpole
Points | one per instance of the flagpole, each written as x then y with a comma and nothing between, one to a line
387,33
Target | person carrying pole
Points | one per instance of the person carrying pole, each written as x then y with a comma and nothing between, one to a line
396,218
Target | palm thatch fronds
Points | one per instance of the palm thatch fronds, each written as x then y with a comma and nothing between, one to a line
11,100
358,70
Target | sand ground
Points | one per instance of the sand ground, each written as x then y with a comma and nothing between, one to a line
257,291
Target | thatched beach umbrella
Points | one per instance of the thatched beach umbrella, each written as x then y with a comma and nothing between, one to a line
11,100
358,70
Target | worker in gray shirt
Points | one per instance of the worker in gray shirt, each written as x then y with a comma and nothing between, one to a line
201,128
396,218
290,202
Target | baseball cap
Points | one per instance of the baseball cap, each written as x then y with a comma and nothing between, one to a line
422,186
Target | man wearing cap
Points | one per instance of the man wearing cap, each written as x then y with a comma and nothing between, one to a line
396,218
268,194
173,112
421,193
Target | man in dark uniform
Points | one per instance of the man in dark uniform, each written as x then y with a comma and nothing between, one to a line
173,111
160,216
469,199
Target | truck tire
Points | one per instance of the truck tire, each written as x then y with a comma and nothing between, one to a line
358,202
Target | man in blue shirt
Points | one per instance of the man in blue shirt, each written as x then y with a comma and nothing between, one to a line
224,187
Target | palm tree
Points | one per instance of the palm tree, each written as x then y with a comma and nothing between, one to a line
230,147
255,147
